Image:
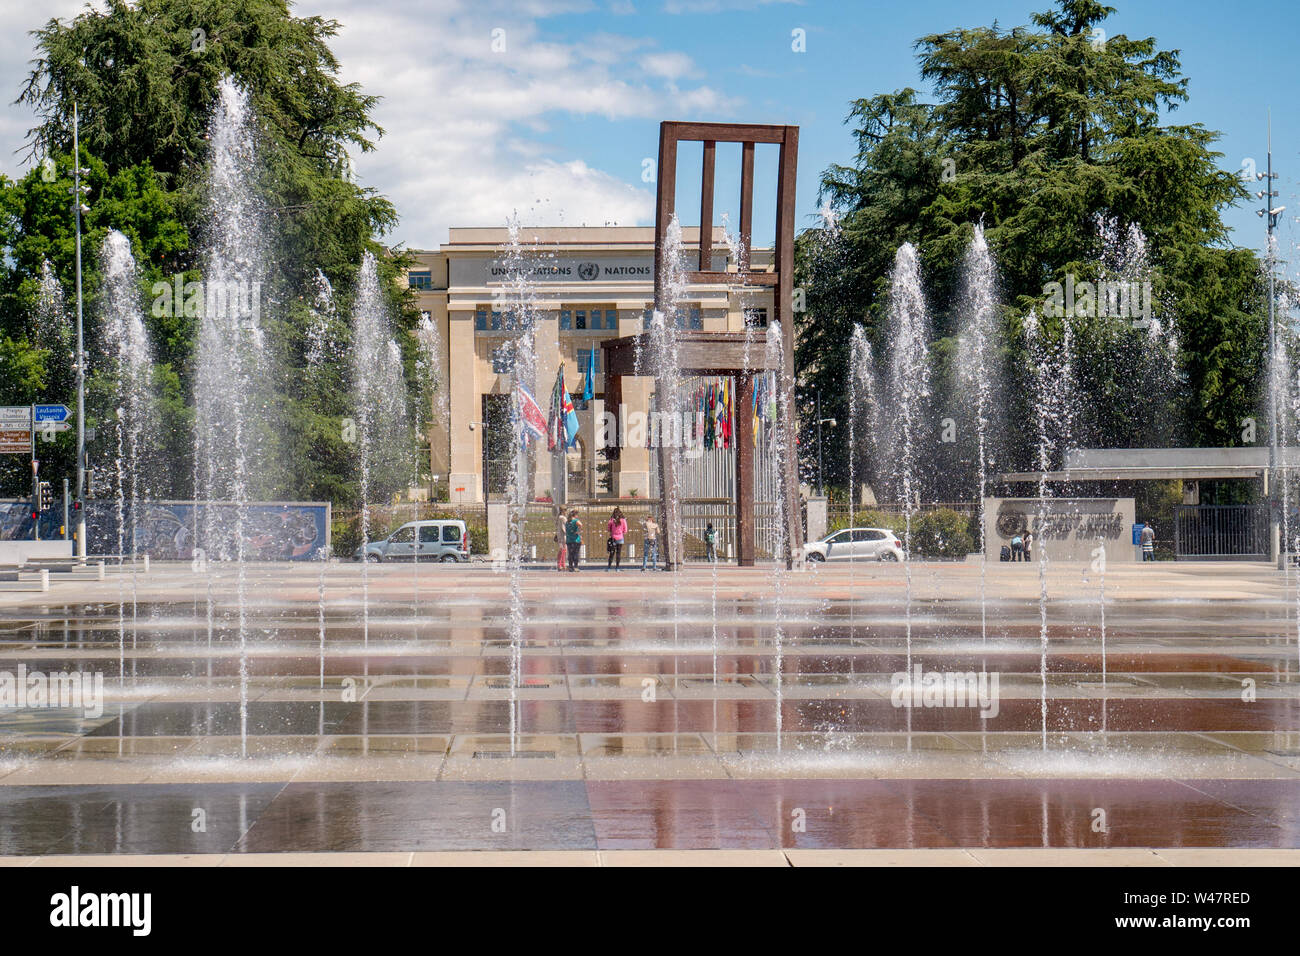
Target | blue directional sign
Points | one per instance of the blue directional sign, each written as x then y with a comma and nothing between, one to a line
52,413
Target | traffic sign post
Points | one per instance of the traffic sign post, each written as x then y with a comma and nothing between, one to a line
36,489
50,413
15,429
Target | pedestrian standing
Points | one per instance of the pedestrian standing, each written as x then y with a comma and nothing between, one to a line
561,535
1029,546
1017,548
650,545
711,543
573,538
1148,540
617,532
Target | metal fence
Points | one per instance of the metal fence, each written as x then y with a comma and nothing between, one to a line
1204,532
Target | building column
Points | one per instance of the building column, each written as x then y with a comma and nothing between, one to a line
465,480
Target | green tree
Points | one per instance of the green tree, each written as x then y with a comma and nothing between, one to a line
143,77
1037,132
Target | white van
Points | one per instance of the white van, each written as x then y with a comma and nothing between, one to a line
436,540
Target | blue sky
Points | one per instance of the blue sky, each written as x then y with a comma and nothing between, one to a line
556,126
860,49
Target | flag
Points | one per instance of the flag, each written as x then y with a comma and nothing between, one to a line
699,416
570,422
719,413
553,425
726,408
710,423
530,414
588,387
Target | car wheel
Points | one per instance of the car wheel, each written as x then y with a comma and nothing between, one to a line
816,556
889,556
448,557
373,558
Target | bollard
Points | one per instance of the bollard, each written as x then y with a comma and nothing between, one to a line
146,564
631,551
532,551
45,579
101,570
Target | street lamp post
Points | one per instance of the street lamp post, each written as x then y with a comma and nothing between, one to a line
487,461
81,349
821,483
1270,213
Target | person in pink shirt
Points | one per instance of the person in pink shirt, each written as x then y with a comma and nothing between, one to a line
617,532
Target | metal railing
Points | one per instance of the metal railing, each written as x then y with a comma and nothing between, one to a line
1221,531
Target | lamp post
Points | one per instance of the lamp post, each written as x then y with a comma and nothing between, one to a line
487,461
81,349
1277,547
821,484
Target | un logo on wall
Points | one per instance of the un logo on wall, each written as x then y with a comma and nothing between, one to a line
1011,523
588,271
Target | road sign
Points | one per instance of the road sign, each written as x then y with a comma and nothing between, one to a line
15,441
15,416
51,413
49,427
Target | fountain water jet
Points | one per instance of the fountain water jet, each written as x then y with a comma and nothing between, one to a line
906,398
231,390
130,355
978,363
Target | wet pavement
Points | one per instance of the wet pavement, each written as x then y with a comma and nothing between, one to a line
653,711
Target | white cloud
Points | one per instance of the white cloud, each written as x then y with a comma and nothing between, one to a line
463,122
719,6
16,54
669,65
466,128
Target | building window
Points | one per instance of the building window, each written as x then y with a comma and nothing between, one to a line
686,318
503,359
756,318
589,357
580,319
480,320
420,280
566,319
689,319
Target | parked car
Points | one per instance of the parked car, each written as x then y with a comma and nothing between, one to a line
856,544
442,540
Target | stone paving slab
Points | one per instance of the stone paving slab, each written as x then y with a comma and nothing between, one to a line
1158,856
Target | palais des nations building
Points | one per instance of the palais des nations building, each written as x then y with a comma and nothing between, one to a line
593,284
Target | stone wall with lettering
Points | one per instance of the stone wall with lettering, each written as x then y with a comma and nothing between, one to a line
1070,528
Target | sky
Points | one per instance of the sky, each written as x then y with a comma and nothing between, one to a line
549,109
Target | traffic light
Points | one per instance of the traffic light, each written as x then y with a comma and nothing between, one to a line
44,496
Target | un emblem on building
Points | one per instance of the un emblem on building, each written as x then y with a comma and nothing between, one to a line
1011,523
588,271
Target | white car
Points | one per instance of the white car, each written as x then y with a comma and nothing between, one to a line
856,544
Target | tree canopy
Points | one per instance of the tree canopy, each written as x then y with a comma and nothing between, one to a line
143,77
1039,133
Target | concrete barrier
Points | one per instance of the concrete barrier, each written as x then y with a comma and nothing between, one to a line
20,552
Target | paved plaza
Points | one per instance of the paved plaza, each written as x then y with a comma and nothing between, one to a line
740,710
